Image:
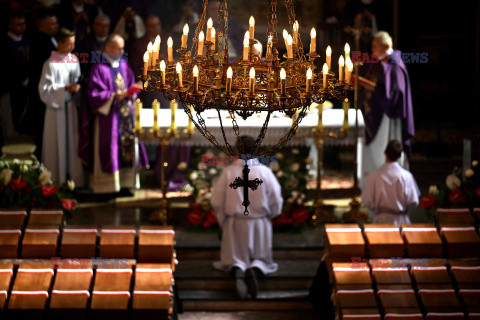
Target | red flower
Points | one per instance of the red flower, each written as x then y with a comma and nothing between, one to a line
428,201
195,216
456,196
69,204
300,215
18,183
49,190
477,192
211,217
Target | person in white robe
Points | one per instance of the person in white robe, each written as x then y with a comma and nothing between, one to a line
391,191
246,247
57,88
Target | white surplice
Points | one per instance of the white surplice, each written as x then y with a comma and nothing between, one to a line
60,135
247,240
390,191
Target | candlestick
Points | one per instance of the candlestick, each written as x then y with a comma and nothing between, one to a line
289,47
269,45
346,106
341,64
162,71
173,109
201,38
313,40
295,32
213,39
150,53
185,36
179,72
329,57
325,73
285,36
347,51
209,28
170,50
155,107
309,80
195,78
251,23
190,127
348,70
283,77
229,79
320,118
251,82
246,45
145,63
138,110
156,49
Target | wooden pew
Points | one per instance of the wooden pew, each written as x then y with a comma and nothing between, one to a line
362,314
113,279
9,241
73,279
351,276
40,243
117,242
357,299
445,316
422,240
404,316
471,298
41,217
152,295
110,304
6,273
69,304
455,216
399,301
439,300
153,279
432,277
383,240
344,242
155,244
389,276
79,242
13,219
467,277
461,242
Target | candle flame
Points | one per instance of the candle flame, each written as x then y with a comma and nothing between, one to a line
347,48
170,42
195,71
349,64
201,36
309,73
156,44
186,29
247,35
209,23
285,34
146,56
251,21
252,73
295,25
289,40
283,74
325,68
213,33
150,47
313,33
329,51
162,65
178,67
229,72
246,42
341,61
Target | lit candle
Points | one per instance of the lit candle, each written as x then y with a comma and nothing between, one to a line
170,49
283,77
209,28
251,83
295,32
173,109
348,70
179,72
313,40
309,80
190,127
329,57
325,72
346,106
245,49
269,45
247,35
138,110
186,30
341,64
201,38
145,63
229,79
251,23
155,107
285,36
150,53
289,47
347,51
213,39
156,49
195,78
162,71
320,118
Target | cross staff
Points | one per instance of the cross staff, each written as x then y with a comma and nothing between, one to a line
245,184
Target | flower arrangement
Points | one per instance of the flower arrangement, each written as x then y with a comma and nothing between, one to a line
294,212
29,186
457,192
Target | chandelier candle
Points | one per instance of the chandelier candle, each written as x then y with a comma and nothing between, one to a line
138,110
229,80
325,73
295,32
185,36
179,72
145,63
155,107
173,109
283,78
209,29
347,51
313,41
156,50
245,48
341,64
213,38
269,46
150,54
289,47
329,57
201,38
170,50
285,36
251,81
162,71
195,78
348,70
251,29
309,81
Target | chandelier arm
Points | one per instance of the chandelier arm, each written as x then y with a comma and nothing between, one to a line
263,131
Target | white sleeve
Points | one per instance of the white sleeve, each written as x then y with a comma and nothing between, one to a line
51,92
274,194
218,197
412,193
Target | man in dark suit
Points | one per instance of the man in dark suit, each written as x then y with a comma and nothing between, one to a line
93,42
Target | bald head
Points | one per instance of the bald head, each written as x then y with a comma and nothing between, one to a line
114,46
382,42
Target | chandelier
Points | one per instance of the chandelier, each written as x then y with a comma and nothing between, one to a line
204,78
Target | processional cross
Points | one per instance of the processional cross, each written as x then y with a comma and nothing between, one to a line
245,184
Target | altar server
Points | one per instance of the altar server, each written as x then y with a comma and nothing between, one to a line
246,247
391,190
57,88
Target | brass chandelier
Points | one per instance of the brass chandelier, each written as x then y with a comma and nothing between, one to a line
205,79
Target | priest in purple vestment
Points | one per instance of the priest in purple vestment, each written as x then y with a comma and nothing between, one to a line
107,144
387,106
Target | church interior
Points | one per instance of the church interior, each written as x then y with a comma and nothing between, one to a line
225,159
